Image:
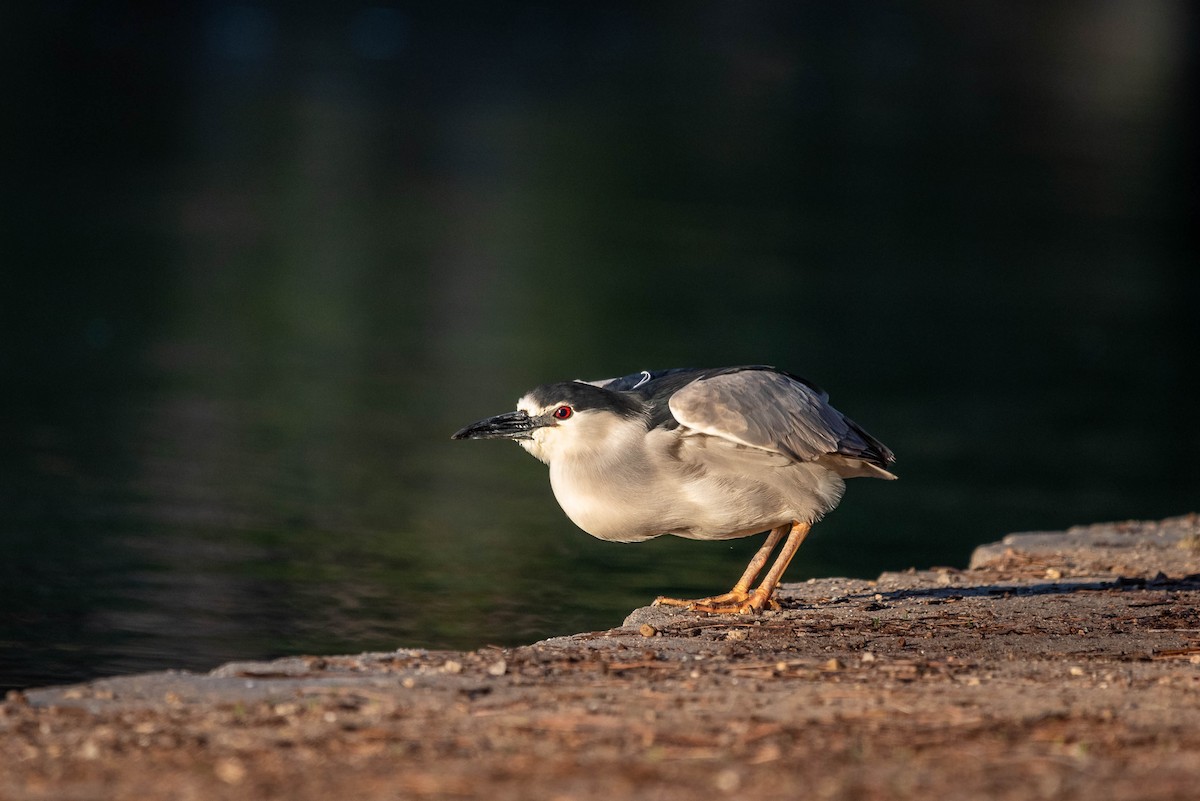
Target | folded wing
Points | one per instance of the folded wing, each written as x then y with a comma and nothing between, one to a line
775,412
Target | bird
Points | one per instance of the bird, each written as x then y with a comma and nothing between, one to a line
703,454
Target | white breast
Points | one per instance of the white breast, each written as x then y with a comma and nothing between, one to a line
608,502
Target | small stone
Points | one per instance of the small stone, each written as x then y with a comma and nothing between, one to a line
647,630
832,664
497,668
1053,573
230,771
728,780
1076,670
735,634
867,657
768,753
408,682
452,667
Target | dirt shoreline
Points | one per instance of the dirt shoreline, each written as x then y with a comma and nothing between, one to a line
1058,665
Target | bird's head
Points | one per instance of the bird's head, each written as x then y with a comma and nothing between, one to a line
567,418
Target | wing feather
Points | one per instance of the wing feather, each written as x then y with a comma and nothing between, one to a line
773,411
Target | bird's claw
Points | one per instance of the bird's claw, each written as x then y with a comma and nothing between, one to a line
735,602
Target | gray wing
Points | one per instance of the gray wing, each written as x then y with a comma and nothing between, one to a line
769,410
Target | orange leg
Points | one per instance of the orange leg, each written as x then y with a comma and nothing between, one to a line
740,599
741,590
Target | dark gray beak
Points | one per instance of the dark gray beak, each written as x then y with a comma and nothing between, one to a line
513,425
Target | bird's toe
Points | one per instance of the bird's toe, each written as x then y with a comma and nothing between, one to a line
735,602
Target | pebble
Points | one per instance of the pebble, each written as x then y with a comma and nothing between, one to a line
230,771
728,780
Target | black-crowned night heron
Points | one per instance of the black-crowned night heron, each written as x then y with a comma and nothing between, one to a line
702,454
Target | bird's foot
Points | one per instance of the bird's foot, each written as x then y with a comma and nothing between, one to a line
734,602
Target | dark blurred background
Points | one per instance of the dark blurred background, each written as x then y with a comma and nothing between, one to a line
259,262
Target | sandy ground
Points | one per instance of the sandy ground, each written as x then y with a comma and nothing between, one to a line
1059,665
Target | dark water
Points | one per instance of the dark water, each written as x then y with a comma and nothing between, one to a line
257,266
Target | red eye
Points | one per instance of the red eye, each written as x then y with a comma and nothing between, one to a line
563,412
